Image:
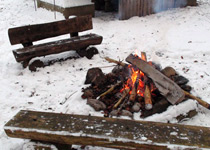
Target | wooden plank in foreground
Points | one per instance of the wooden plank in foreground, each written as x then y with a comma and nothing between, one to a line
105,132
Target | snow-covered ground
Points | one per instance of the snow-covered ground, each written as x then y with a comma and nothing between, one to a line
69,3
179,38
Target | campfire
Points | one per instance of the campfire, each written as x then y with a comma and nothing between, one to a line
140,86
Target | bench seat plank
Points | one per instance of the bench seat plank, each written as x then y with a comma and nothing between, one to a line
75,43
105,132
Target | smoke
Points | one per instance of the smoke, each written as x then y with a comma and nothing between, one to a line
161,5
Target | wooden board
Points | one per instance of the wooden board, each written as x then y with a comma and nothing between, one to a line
75,43
105,132
147,7
31,33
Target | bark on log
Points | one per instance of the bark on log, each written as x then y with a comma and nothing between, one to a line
31,33
166,86
105,132
147,98
132,96
147,91
74,43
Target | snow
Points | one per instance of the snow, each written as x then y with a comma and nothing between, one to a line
177,38
69,3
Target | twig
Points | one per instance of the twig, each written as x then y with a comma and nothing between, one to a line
200,101
119,109
107,66
126,91
109,90
115,61
66,98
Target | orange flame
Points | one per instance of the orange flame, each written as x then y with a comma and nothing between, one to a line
135,80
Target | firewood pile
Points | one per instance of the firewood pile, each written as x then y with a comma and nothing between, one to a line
140,86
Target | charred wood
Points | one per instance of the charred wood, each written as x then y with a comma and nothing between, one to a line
95,76
110,89
180,80
159,107
187,88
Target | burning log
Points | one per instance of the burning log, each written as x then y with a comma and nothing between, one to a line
132,96
147,91
173,93
147,98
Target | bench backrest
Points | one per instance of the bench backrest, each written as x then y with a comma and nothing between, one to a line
28,34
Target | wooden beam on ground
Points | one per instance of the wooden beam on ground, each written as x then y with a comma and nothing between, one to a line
31,33
74,43
105,132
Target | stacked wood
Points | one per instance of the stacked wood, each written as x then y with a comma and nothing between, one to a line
166,86
124,100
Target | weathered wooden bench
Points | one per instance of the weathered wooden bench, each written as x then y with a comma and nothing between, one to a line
26,35
105,132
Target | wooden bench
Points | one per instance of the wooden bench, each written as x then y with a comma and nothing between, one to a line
26,35
105,132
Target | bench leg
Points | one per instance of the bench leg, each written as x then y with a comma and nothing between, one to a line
74,34
88,52
82,52
36,64
25,63
27,44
